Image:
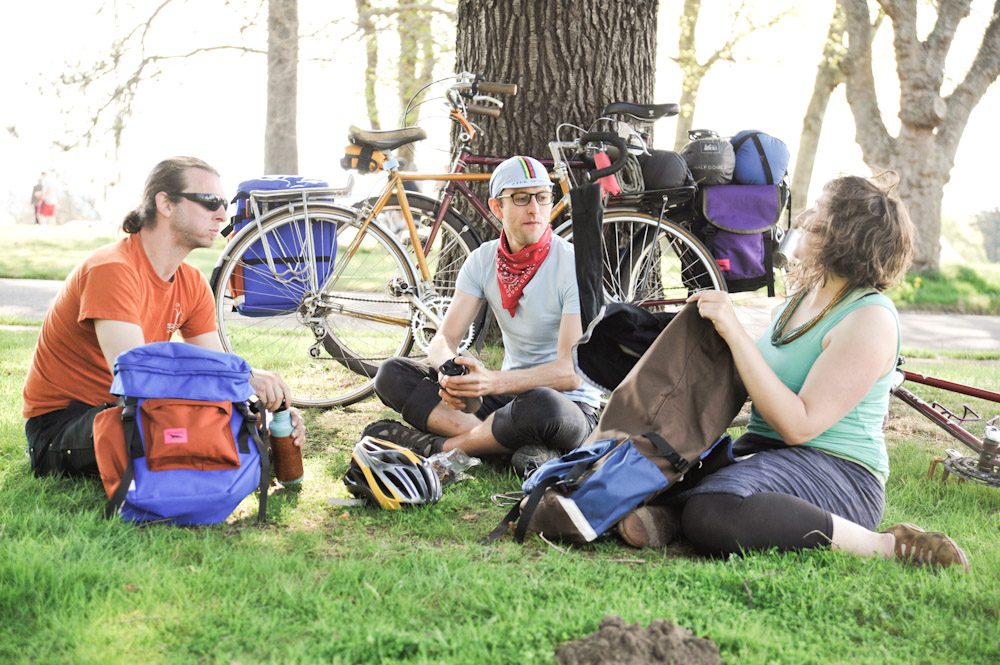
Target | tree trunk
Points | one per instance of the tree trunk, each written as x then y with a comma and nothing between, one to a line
931,126
568,57
415,70
828,77
281,152
367,27
691,72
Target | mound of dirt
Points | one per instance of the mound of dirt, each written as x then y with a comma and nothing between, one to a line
622,644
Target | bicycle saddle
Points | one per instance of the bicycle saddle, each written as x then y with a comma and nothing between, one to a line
642,111
385,139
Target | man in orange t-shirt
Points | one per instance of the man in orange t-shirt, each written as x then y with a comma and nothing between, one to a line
134,292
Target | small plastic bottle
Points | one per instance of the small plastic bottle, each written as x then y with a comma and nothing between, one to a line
286,456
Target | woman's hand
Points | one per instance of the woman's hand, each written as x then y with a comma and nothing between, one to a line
717,307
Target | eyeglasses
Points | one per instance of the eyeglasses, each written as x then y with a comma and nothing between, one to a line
209,202
524,198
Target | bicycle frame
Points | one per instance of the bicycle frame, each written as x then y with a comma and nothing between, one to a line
941,415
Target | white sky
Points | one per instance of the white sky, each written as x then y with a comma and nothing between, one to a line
213,106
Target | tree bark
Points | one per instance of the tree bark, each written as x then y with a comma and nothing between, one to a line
931,125
281,152
828,77
568,57
367,28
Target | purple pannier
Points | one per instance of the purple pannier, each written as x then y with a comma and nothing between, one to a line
738,228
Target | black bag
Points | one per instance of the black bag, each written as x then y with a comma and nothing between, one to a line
665,169
710,158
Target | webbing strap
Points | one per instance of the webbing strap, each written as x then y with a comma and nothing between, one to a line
263,446
678,462
131,443
504,524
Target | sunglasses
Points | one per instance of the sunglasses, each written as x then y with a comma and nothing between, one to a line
524,198
209,202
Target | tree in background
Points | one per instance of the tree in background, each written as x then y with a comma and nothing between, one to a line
829,76
693,71
130,63
415,29
569,58
931,124
989,225
281,144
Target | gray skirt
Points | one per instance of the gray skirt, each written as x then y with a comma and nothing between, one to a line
836,485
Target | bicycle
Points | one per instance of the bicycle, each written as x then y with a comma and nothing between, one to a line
983,468
350,295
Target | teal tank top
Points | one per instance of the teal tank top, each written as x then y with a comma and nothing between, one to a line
857,436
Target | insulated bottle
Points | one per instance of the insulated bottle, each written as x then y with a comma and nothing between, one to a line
286,456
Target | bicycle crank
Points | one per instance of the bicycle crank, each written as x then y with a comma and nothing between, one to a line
425,319
977,470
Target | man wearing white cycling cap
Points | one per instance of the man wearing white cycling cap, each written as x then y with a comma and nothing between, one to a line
535,407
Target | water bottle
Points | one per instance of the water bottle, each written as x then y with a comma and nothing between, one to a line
286,456
784,256
452,368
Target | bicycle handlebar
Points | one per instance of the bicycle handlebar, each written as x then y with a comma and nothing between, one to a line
496,87
615,140
483,110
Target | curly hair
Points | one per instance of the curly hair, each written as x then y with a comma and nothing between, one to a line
863,234
170,175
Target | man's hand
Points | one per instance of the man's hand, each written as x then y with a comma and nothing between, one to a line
476,383
298,427
270,389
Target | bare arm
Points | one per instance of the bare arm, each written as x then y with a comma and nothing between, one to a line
460,315
859,350
116,337
559,374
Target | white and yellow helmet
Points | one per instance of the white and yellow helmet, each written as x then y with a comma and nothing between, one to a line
390,475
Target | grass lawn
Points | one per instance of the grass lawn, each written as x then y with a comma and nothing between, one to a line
51,252
327,584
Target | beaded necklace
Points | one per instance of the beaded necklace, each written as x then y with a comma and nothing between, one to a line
777,339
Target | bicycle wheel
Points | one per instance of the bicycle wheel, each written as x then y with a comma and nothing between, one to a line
327,344
655,264
452,243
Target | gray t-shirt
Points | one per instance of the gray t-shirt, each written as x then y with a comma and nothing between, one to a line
530,338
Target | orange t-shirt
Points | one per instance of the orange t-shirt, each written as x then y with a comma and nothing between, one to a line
116,282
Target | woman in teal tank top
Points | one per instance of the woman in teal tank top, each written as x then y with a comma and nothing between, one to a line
819,382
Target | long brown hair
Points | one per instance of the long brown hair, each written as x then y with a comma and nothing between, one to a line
170,175
864,234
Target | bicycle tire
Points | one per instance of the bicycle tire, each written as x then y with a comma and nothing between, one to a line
275,317
651,262
455,240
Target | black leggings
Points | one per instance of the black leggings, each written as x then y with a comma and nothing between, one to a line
537,417
728,523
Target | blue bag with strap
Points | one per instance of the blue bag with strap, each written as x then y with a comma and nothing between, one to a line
272,280
183,446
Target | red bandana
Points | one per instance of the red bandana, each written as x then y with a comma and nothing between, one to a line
514,271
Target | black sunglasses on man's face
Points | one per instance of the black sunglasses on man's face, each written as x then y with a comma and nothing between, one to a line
209,202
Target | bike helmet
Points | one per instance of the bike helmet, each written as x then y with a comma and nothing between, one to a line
390,475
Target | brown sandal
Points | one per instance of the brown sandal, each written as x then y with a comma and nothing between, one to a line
926,548
649,526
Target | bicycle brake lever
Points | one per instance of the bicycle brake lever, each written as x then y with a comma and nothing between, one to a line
486,98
